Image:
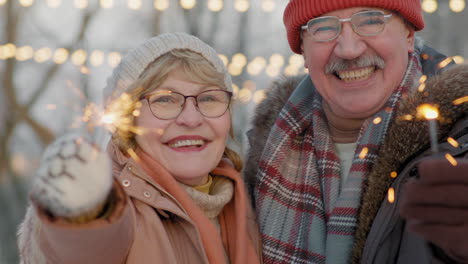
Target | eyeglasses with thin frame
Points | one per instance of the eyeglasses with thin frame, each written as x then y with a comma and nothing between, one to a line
365,23
168,104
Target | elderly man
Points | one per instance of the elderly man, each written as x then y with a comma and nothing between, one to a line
340,164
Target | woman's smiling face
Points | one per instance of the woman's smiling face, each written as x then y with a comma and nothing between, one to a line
190,145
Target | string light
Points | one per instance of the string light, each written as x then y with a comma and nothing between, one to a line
134,4
24,53
114,59
42,55
235,90
256,65
457,6
60,56
268,5
237,63
81,4
161,5
54,3
295,64
215,5
106,3
26,3
78,57
96,58
224,59
241,5
429,6
259,96
188,4
245,95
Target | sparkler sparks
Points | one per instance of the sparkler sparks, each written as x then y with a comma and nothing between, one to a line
453,142
431,113
363,153
451,159
133,154
461,100
445,62
391,195
406,117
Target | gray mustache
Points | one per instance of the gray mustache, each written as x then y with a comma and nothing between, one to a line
344,64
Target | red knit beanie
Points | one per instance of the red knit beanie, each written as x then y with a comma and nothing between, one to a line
298,12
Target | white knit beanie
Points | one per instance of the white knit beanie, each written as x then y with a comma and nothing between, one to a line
136,61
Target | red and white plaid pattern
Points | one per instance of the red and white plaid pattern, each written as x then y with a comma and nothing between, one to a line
303,215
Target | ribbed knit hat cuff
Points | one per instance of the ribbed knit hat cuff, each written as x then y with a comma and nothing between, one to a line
135,62
298,12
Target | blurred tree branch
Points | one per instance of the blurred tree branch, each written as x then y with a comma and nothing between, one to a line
21,112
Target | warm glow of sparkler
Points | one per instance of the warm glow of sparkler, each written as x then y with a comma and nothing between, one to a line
445,62
406,117
391,195
453,142
133,154
451,159
377,120
428,111
423,79
108,119
421,87
363,153
393,174
461,100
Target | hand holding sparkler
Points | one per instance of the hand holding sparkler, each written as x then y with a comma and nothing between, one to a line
74,178
436,205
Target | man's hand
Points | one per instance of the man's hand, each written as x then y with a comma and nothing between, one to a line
436,205
74,178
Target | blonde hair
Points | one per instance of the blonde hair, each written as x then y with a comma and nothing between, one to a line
195,66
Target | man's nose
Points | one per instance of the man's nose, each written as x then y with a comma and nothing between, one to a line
349,44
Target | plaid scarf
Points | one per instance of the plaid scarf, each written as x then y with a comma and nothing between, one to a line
303,215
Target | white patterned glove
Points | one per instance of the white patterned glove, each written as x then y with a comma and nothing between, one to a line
74,178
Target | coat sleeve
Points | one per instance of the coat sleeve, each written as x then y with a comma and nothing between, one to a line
43,239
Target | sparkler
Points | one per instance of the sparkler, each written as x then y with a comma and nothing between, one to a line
430,113
117,116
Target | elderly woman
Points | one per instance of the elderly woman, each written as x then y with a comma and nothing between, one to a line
170,192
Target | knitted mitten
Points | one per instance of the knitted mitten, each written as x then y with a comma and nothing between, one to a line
74,179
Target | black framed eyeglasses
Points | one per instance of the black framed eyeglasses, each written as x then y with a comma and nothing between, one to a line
365,23
168,104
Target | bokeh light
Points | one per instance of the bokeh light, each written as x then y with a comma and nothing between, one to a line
215,5
188,4
42,54
60,56
81,4
241,5
457,6
161,5
429,6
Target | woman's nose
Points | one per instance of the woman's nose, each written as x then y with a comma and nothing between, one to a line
190,116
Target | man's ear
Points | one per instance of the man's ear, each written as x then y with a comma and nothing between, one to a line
303,55
410,38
